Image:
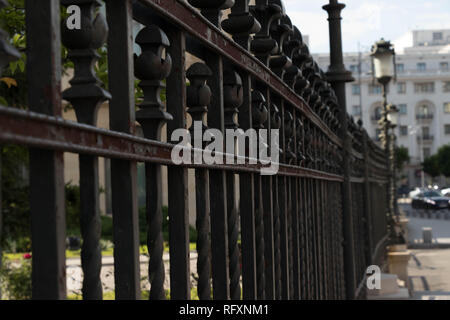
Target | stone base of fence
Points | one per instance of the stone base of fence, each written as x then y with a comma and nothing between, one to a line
398,258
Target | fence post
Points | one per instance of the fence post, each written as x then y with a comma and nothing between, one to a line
218,187
123,172
46,167
151,68
337,75
247,204
198,99
84,55
178,176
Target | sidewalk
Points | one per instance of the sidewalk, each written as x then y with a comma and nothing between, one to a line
75,274
428,274
428,269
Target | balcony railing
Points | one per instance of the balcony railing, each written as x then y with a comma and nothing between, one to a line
425,138
376,118
424,116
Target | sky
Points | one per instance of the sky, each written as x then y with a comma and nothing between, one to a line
366,21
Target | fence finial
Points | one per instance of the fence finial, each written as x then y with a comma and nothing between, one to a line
241,24
262,44
152,66
212,9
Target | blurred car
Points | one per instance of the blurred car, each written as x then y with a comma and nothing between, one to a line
446,192
430,200
416,191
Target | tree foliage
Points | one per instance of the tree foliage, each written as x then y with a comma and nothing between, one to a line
443,156
431,166
401,157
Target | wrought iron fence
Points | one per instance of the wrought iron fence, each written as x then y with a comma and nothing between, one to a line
308,232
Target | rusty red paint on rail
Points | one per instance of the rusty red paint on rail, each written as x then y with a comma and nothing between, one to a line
46,132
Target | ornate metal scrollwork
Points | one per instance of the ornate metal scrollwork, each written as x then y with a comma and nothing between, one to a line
289,137
280,32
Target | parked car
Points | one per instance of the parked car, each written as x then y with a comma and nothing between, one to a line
430,200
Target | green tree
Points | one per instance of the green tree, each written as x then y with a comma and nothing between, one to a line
401,157
443,156
431,166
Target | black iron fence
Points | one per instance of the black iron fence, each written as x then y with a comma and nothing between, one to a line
308,232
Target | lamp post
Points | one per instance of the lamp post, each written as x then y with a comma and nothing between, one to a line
383,70
393,121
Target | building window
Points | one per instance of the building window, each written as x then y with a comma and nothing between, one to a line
357,111
426,153
403,130
401,87
400,67
375,89
377,113
424,87
447,107
446,86
443,66
403,109
356,89
354,68
437,36
377,134
424,110
447,128
421,66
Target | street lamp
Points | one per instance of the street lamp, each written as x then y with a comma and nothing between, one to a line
383,61
392,115
392,118
383,70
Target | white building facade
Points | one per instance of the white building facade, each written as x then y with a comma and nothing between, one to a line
421,93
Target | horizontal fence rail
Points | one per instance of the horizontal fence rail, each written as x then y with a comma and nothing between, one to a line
225,65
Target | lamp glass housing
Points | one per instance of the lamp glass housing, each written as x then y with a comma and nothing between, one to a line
392,116
383,65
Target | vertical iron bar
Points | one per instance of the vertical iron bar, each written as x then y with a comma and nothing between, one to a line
203,233
241,35
218,190
83,55
269,197
233,100
178,176
123,172
48,223
152,117
247,205
283,212
198,99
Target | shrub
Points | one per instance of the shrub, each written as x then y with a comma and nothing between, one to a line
15,279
